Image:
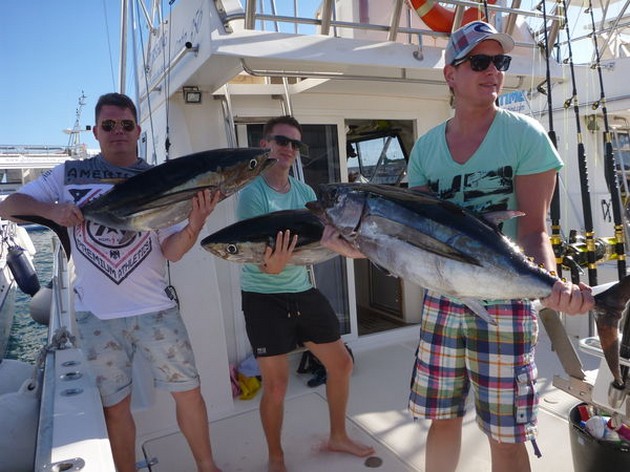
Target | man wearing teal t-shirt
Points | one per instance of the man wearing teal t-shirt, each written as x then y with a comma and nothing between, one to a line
282,308
485,159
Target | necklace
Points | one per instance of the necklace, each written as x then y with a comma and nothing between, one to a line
284,189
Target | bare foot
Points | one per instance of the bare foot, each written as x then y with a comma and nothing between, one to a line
349,446
276,466
212,467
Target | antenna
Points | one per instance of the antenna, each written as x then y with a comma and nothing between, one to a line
74,140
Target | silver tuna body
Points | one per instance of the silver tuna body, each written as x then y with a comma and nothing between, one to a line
444,248
436,244
162,196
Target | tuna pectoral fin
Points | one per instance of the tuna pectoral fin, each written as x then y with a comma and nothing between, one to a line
126,237
478,309
60,231
419,239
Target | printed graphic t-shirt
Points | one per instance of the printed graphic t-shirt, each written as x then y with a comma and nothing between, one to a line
514,145
115,275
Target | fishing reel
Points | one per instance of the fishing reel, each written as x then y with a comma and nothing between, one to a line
575,250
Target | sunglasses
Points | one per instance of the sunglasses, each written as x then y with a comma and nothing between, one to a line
283,141
480,62
110,125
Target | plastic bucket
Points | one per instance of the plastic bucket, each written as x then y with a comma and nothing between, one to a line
594,455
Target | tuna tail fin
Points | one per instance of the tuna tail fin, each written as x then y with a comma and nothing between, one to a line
612,302
609,306
60,231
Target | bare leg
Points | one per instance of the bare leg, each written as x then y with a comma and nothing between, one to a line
444,443
510,457
121,430
192,418
275,379
338,365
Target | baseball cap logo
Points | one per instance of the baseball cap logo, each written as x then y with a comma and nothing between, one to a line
483,28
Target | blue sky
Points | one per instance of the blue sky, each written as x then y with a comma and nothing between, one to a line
52,51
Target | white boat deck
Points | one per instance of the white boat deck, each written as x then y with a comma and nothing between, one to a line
377,415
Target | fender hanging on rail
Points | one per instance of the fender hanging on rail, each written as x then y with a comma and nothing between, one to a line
23,270
440,18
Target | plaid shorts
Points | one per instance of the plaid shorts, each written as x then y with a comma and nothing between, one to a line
458,350
161,337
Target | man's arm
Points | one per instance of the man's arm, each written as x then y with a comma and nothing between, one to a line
176,245
64,214
534,193
332,240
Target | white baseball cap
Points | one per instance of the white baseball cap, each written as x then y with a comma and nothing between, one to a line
464,40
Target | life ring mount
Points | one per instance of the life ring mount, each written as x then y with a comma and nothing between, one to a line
440,18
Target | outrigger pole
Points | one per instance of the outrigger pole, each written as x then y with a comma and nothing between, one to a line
582,166
609,164
554,210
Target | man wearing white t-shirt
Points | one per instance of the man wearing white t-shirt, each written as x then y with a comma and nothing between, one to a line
121,299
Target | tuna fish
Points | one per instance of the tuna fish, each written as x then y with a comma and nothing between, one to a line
246,240
162,195
453,251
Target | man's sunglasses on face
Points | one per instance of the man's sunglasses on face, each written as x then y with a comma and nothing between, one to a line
110,125
283,141
480,62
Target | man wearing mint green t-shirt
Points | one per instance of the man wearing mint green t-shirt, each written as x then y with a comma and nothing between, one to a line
282,308
485,159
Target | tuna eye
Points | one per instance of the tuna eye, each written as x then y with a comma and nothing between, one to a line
253,163
232,249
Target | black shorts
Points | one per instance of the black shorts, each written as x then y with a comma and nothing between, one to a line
277,323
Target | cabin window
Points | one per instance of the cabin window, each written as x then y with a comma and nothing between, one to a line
378,158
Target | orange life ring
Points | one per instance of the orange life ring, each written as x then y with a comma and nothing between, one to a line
439,18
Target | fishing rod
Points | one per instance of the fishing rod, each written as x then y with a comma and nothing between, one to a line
582,166
485,10
613,187
609,162
554,208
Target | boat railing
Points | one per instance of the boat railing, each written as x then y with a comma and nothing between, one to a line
12,149
71,432
254,13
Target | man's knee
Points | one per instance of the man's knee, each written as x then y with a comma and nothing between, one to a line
118,410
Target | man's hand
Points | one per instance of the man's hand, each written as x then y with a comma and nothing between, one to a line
66,214
569,298
203,204
332,240
276,259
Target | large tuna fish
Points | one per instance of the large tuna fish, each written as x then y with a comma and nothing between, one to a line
450,250
162,195
246,240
